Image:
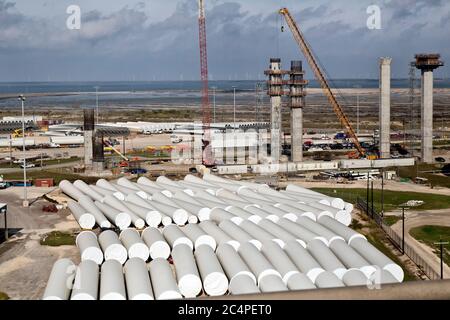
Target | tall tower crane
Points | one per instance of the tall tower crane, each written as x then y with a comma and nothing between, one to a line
308,53
206,108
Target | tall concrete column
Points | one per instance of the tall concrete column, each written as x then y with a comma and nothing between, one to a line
275,87
385,108
297,101
275,130
88,137
297,134
427,116
427,63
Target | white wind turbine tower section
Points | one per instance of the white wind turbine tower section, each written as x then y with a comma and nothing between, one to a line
168,239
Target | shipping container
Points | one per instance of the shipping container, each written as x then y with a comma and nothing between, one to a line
45,183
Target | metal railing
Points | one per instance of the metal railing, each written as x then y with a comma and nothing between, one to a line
397,241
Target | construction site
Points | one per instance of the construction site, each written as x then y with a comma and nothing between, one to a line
291,193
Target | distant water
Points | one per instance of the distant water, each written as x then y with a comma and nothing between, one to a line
151,93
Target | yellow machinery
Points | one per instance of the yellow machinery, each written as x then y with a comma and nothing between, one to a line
18,134
308,53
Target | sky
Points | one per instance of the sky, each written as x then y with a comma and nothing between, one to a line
158,39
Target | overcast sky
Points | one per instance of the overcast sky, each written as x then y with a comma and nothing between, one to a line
158,39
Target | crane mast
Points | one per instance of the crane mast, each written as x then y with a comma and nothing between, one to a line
206,110
307,52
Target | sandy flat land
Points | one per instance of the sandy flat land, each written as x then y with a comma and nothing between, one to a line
24,264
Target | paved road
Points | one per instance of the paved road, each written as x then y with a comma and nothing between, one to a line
417,219
52,166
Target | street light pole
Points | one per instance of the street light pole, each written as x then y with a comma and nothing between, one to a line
372,199
382,193
357,113
403,230
234,109
25,196
96,102
367,194
214,103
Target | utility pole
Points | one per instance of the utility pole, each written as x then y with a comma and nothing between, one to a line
441,251
25,196
372,200
96,103
403,230
234,110
382,193
367,194
357,112
214,104
10,150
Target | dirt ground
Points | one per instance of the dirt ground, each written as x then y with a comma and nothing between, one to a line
24,264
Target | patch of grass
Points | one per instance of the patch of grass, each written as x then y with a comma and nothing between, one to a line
433,178
58,161
391,220
57,238
4,296
57,175
392,199
356,225
430,235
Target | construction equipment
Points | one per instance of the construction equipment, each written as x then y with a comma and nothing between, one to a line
207,152
19,134
108,145
308,53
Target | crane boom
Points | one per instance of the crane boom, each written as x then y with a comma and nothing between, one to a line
206,112
307,52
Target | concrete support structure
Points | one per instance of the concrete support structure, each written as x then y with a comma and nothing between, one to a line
275,92
88,137
427,116
427,63
296,103
385,108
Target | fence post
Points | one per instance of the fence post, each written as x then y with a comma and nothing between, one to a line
403,230
367,192
382,192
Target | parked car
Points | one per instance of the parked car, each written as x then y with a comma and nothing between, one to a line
28,165
440,159
193,170
138,171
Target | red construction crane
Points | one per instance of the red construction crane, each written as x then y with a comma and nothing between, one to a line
308,53
206,110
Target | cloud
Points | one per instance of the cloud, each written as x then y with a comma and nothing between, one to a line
125,42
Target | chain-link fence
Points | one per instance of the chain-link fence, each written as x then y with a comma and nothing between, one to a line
397,240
